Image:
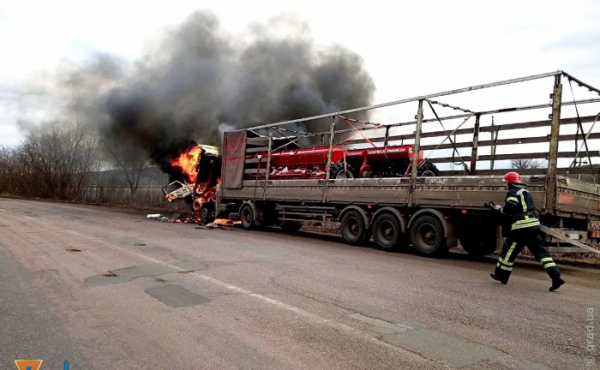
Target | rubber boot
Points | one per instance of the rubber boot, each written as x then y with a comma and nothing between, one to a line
503,280
557,282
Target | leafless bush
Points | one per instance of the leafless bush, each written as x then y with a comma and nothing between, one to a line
55,161
526,164
9,169
65,162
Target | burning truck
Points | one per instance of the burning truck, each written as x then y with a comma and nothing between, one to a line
271,180
201,170
201,167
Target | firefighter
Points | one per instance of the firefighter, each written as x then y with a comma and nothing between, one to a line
524,232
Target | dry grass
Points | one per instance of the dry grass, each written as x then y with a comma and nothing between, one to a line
147,198
143,198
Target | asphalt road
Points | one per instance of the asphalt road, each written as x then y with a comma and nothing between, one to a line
107,289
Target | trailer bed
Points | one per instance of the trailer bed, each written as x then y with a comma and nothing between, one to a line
432,211
575,198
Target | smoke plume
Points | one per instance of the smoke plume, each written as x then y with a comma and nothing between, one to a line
200,81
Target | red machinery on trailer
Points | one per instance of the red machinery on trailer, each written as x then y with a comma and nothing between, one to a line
311,163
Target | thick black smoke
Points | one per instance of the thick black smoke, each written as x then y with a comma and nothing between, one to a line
201,81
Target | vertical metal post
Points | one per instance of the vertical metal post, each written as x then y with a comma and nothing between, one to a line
494,135
257,177
387,136
329,155
268,163
554,134
493,149
322,139
475,145
417,148
415,162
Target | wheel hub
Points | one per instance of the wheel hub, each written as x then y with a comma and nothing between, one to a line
428,234
353,227
387,231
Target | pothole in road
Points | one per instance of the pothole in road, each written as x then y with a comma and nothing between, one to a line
127,274
73,250
176,296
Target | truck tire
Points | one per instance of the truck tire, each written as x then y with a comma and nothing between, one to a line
247,217
387,231
207,213
427,236
354,230
479,239
477,248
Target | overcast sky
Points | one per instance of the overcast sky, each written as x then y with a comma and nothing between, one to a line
409,47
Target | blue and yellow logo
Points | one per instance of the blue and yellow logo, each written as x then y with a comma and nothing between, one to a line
28,364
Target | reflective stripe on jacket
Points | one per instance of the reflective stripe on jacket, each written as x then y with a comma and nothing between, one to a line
520,208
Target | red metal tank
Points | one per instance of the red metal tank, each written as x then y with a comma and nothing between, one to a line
309,156
381,154
298,157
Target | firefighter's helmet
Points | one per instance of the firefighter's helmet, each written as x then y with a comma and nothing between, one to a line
512,177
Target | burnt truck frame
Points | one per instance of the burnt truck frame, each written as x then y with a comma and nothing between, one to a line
430,213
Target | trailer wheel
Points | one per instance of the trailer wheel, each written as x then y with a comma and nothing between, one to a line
354,230
207,213
427,236
477,248
247,217
387,231
480,239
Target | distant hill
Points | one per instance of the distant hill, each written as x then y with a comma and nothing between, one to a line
151,176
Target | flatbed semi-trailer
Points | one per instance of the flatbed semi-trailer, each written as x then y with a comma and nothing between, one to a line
432,217
430,213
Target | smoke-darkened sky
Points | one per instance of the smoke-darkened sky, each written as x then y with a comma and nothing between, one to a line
408,48
201,80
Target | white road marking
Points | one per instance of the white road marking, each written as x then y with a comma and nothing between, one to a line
297,310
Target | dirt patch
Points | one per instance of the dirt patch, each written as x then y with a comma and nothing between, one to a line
328,227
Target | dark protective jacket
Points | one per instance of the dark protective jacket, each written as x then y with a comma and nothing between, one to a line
519,208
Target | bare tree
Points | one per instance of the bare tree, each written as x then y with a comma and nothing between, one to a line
65,161
56,160
131,162
8,170
526,164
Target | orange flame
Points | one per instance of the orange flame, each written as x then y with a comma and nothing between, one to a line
226,222
203,192
187,163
